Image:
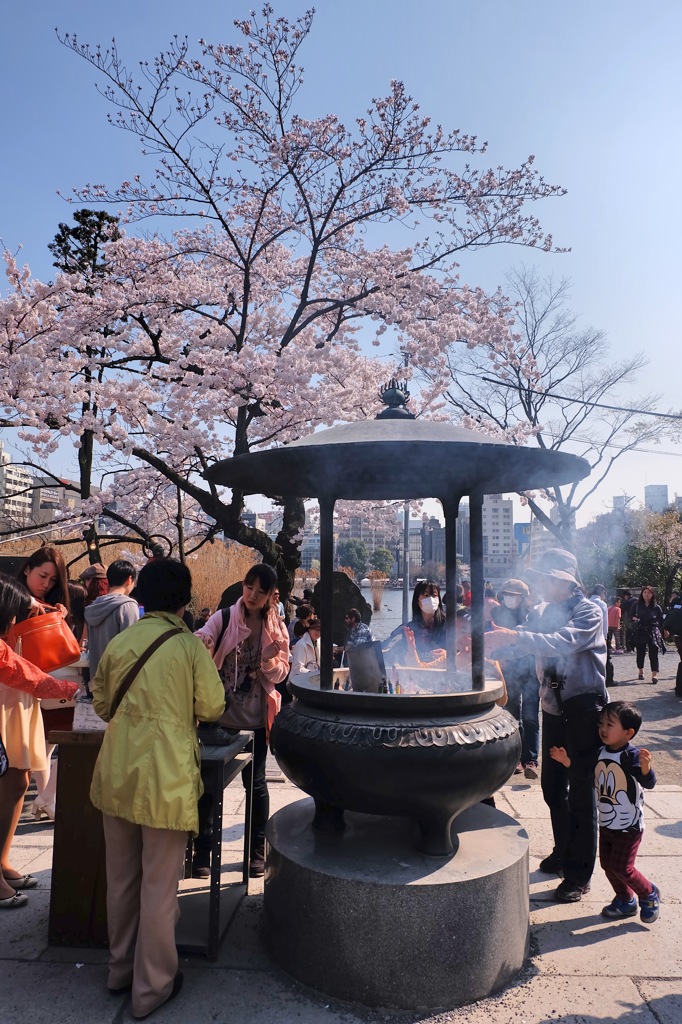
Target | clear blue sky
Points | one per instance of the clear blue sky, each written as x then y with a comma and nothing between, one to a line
592,89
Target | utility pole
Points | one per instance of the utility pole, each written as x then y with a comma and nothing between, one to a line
406,562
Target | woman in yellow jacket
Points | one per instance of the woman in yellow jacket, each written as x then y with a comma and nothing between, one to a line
147,780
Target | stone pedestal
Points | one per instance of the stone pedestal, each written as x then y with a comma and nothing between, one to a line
363,916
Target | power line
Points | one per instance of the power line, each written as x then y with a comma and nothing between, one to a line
620,447
582,401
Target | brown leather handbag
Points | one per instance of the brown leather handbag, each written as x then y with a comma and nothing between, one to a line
46,640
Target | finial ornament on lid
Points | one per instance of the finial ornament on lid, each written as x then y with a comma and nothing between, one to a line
395,397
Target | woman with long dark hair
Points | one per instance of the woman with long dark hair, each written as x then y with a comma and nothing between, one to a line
648,623
251,653
21,731
44,574
425,632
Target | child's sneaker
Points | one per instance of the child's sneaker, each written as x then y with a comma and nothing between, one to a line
649,906
620,908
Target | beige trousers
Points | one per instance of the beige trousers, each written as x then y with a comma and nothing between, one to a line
143,868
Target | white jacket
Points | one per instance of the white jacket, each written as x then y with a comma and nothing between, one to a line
305,656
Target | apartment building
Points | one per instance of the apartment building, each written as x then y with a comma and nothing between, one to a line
16,498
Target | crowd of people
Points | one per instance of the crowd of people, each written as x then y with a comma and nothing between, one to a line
227,670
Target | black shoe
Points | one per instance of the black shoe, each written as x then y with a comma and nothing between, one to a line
213,735
571,892
177,985
257,867
551,865
201,861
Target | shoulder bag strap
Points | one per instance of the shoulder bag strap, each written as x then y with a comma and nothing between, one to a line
141,661
225,615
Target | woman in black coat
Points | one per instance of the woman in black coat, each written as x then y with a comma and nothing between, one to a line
648,623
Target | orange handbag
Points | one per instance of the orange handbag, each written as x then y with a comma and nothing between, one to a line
46,641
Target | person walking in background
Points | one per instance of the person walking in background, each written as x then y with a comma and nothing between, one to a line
672,627
598,597
629,606
615,614
523,686
113,612
648,623
565,634
621,774
147,781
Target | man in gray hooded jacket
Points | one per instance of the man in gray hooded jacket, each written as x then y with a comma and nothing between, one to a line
111,613
565,634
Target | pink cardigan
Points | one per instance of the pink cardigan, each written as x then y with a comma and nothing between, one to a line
272,670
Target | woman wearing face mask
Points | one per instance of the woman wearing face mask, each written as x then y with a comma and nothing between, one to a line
523,687
427,624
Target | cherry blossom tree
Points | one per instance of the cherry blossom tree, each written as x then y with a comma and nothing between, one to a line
242,329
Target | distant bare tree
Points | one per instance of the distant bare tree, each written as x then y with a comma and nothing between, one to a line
545,386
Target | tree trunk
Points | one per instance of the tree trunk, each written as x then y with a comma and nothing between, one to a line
289,545
85,453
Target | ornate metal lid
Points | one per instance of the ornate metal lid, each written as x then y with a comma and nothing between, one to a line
396,458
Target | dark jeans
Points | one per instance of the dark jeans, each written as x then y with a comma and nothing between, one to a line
609,667
653,656
569,793
261,805
261,796
523,702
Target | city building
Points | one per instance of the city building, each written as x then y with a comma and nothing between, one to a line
310,551
371,535
16,497
414,550
51,497
433,542
656,497
499,547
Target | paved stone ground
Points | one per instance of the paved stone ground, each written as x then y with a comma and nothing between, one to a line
583,969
